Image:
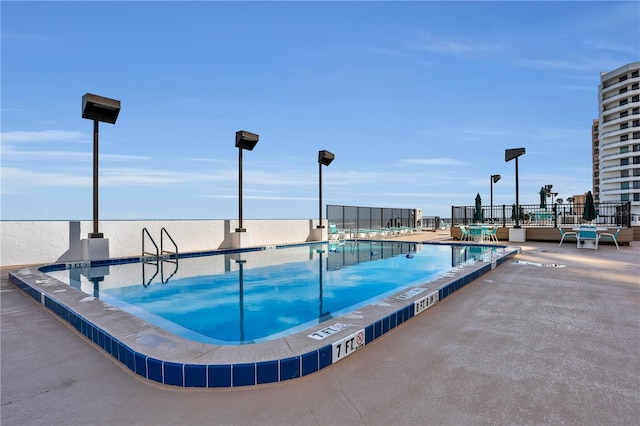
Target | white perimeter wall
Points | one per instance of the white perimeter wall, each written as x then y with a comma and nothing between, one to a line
33,242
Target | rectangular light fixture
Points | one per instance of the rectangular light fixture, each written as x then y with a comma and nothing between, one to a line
246,140
99,108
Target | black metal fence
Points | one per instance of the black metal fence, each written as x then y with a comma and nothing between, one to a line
354,217
608,214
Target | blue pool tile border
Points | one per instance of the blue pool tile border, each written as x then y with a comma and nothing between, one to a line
266,372
154,370
173,373
289,368
230,375
195,376
244,374
219,376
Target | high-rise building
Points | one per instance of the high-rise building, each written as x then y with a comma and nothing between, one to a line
595,146
619,137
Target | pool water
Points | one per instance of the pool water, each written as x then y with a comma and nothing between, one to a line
250,297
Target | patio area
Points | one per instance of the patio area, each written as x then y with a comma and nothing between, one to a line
551,337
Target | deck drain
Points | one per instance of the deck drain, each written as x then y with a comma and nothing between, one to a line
542,265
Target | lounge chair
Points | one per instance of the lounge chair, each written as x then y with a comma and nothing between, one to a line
567,234
609,236
334,233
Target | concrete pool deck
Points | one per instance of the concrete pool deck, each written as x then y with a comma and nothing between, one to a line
525,343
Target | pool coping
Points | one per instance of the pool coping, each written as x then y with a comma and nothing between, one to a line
163,357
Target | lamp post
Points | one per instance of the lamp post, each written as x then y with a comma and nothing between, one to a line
570,201
244,140
510,154
547,190
494,179
98,108
324,159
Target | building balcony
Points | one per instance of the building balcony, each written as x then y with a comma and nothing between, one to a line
614,156
615,145
615,108
617,132
614,179
614,84
613,168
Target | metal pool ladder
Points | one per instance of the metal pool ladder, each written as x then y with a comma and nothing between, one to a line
158,258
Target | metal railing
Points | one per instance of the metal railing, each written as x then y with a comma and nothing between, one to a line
164,232
531,215
157,259
355,218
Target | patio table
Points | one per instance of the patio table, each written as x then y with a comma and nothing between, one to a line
597,229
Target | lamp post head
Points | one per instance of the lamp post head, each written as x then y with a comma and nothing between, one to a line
246,140
510,154
99,108
325,157
495,178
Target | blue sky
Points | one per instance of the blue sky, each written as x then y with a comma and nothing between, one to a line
417,100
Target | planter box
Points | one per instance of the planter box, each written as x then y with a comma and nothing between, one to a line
518,235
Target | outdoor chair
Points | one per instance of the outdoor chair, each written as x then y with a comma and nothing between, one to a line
492,234
567,234
610,237
588,234
465,234
476,233
334,233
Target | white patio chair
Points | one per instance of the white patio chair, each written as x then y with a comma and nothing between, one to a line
567,234
611,237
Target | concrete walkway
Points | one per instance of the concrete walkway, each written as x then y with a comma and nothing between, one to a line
552,337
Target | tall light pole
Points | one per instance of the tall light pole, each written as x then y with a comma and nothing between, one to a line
510,154
98,108
324,159
244,140
494,179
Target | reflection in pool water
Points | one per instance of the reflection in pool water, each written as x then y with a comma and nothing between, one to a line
247,297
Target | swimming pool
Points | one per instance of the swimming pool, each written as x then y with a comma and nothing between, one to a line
332,333
241,298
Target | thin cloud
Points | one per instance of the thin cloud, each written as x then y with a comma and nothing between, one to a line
579,64
152,177
426,41
435,161
208,160
613,47
574,87
485,132
279,178
10,154
261,197
24,37
16,177
386,52
427,195
19,136
594,80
